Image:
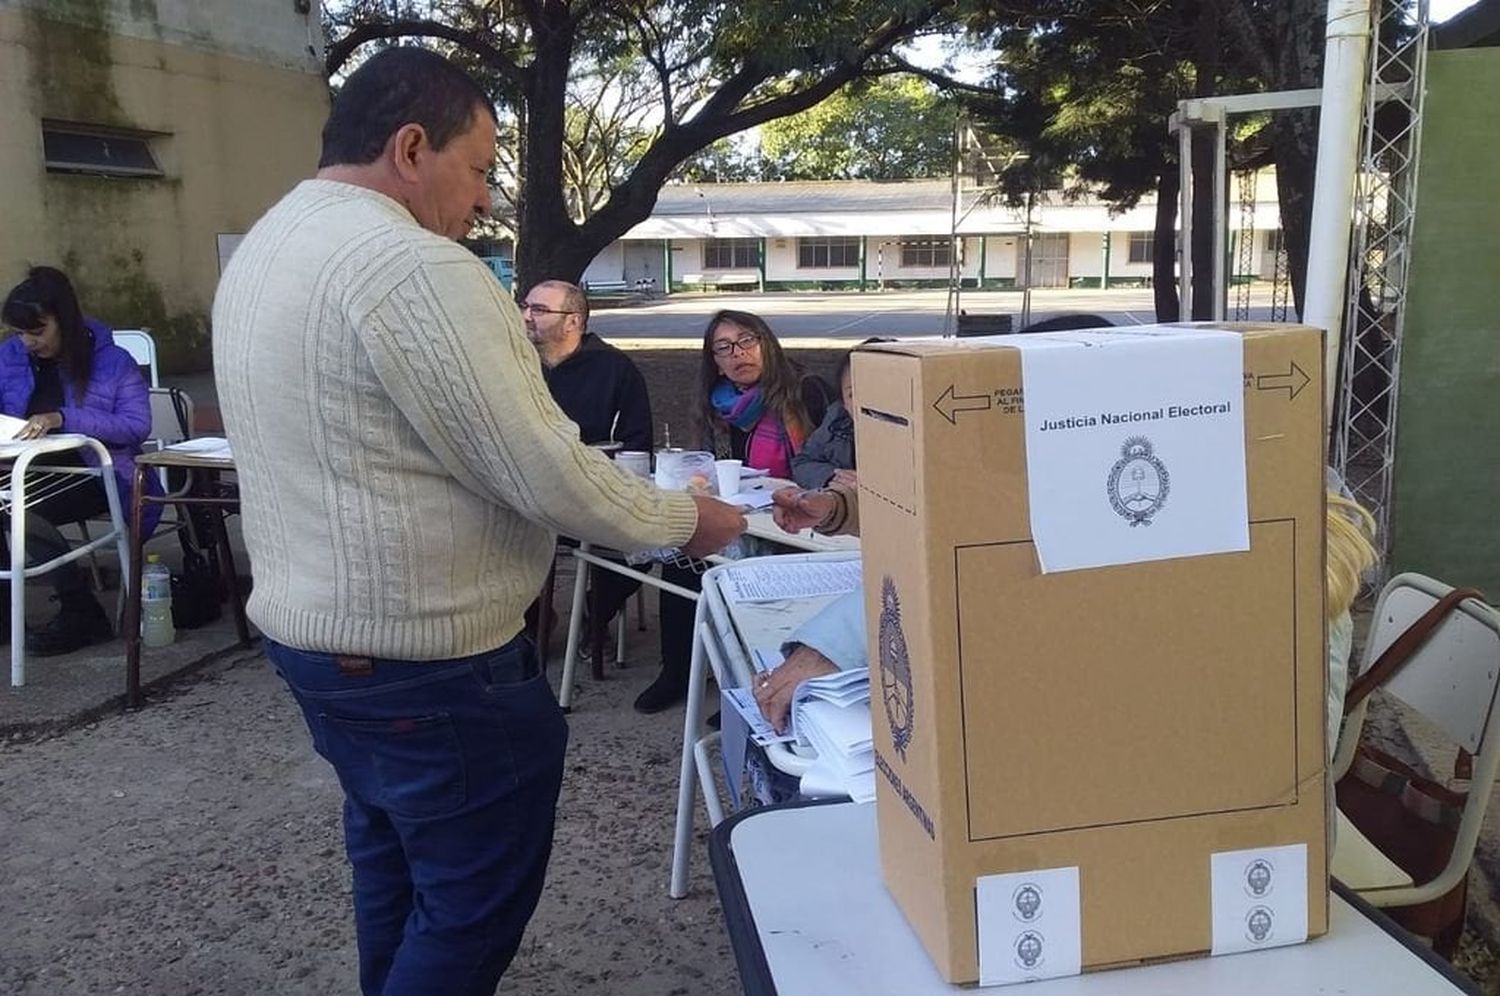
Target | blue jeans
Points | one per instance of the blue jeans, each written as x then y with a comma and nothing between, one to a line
450,771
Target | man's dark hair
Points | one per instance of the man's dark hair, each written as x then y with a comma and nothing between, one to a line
399,86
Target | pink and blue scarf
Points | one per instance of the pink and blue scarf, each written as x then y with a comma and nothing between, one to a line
771,443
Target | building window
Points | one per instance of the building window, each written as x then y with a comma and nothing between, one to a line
109,152
1274,240
926,252
731,254
1142,247
827,254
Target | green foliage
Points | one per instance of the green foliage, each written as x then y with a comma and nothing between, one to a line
605,99
888,128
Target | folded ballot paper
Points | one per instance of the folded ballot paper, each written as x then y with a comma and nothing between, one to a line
832,714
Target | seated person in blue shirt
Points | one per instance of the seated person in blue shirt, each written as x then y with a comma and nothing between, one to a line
596,385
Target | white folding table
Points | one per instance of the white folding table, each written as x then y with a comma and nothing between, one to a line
807,915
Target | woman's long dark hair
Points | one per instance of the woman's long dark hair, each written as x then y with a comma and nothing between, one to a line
48,293
780,377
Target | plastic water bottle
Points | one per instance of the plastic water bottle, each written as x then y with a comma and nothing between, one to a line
156,604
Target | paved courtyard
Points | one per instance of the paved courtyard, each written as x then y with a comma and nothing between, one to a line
852,315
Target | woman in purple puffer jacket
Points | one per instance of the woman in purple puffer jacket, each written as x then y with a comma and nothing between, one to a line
63,373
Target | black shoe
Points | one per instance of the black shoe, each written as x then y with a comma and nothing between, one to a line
78,624
669,689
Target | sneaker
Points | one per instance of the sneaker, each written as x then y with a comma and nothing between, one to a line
669,689
73,628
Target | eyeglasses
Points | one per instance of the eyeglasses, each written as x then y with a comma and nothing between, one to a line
743,344
537,309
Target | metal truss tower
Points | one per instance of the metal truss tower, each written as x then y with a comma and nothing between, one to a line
1364,443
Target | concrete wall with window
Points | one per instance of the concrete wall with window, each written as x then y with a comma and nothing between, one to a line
225,98
799,261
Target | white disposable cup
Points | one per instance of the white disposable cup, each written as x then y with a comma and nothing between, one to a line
728,473
637,462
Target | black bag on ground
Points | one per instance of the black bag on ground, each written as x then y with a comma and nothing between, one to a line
195,591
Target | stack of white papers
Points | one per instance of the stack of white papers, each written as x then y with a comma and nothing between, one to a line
846,753
841,688
832,714
209,447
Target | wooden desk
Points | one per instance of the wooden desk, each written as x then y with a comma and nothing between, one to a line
203,489
808,915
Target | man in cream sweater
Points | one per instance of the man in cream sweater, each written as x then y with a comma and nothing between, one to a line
404,471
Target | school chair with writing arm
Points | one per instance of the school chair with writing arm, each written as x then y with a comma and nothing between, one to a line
1451,679
720,651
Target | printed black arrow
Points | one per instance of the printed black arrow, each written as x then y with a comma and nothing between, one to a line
1293,381
950,404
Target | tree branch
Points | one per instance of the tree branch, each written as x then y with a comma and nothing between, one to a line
943,82
340,51
1254,55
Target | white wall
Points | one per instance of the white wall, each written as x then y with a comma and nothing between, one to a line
1119,259
1085,254
608,265
781,264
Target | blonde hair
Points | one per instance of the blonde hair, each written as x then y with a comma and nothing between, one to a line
1351,551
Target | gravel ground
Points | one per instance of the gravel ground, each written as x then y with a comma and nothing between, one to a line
195,848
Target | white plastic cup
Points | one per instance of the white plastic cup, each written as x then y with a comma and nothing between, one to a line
728,474
637,462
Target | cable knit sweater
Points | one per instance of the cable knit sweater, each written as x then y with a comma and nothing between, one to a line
403,468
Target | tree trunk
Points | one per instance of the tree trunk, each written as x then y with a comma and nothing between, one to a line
1299,28
1204,244
1296,150
1164,246
1204,248
547,237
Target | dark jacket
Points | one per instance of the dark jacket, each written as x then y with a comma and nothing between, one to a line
593,385
115,409
828,449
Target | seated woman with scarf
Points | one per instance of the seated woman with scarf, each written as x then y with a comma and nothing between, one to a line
757,405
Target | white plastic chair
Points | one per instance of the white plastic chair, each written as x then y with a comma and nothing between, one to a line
719,648
1452,681
142,348
25,488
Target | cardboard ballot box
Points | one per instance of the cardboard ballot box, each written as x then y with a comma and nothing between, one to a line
1155,730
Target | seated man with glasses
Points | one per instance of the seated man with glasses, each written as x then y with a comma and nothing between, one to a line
596,385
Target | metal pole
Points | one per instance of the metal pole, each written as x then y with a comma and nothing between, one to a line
1026,274
1344,73
1221,226
1185,222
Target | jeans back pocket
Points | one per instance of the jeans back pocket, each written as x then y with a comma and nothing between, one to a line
411,767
